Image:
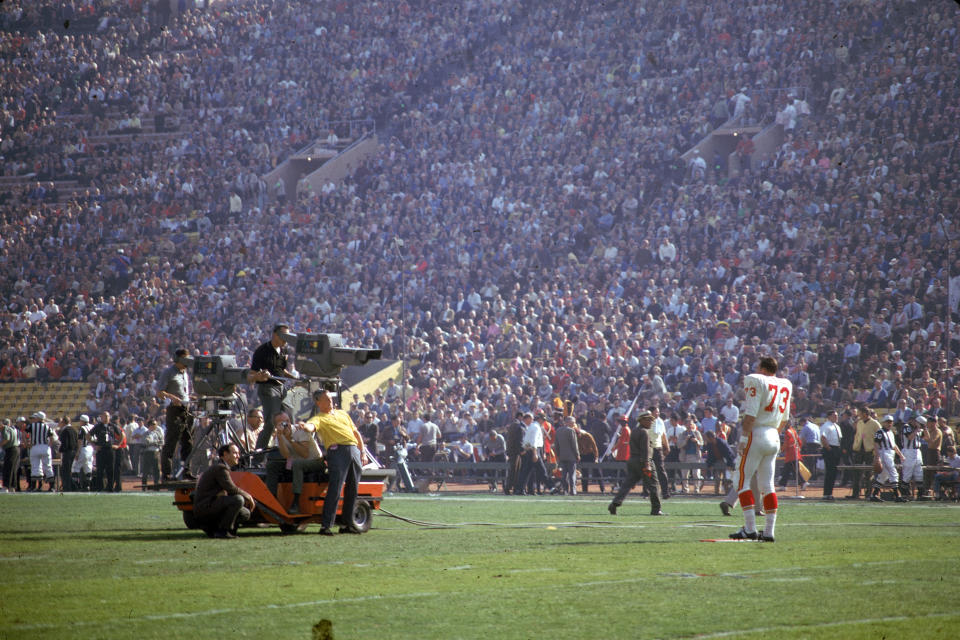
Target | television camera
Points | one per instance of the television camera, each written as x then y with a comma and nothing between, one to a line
324,355
217,376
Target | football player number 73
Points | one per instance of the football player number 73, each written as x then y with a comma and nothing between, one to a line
775,391
778,392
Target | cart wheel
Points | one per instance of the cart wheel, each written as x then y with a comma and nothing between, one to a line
190,520
362,515
291,528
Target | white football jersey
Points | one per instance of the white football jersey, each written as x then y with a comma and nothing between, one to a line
767,399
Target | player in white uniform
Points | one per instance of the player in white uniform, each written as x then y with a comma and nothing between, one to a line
912,478
884,450
765,412
83,463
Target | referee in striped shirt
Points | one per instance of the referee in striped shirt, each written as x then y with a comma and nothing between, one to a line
41,453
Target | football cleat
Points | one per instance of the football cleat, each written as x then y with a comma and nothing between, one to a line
743,534
725,508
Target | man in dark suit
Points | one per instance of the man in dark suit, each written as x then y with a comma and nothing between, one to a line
104,439
219,505
833,394
69,443
640,467
514,452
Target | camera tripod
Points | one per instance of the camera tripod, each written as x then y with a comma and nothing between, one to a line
207,438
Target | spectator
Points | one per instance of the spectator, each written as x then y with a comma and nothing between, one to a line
141,193
718,452
690,443
791,455
568,455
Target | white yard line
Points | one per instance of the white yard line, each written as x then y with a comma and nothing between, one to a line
826,625
427,594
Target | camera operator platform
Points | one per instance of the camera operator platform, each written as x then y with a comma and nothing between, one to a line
320,357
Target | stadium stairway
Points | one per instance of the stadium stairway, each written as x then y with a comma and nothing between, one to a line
53,398
370,383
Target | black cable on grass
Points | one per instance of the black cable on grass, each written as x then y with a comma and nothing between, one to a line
448,525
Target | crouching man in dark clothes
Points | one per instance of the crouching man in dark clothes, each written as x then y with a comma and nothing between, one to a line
218,504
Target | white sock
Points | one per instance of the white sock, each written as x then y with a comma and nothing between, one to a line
771,522
749,520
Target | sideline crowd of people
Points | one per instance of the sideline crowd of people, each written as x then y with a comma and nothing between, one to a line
528,228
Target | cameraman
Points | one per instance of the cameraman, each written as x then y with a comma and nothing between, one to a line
268,363
300,454
174,387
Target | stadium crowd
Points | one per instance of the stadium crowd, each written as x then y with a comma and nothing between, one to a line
528,228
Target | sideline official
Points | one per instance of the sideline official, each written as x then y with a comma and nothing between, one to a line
41,453
10,443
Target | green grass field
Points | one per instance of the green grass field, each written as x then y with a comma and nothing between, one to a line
124,566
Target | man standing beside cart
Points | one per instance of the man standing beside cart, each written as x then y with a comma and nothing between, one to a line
345,458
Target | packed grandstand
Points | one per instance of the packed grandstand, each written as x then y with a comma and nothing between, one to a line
536,220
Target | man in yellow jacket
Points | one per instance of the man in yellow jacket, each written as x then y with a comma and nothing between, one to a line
867,425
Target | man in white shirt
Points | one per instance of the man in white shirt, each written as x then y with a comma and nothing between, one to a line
730,412
674,428
830,435
810,445
134,432
429,439
151,440
667,251
463,449
414,425
661,448
532,469
951,460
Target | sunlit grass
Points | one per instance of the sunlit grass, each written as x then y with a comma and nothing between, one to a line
118,566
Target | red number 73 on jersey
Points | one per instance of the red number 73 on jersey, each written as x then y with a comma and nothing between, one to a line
784,395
